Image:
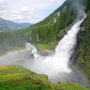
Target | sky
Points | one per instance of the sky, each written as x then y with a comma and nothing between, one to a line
31,11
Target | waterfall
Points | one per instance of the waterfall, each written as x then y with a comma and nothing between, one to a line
34,50
58,63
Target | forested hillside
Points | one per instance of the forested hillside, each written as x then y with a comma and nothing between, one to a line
45,34
49,31
54,26
11,41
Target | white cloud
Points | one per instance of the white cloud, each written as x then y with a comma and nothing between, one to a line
27,10
21,15
1,1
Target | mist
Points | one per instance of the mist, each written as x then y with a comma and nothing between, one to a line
11,41
56,66
79,7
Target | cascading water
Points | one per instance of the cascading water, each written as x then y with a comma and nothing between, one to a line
56,66
59,61
34,50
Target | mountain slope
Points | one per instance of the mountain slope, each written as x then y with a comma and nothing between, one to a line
6,25
54,26
47,33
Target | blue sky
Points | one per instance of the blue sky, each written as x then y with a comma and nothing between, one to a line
31,11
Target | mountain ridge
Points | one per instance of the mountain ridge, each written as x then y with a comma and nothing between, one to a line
7,25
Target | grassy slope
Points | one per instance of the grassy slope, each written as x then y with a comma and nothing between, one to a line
17,78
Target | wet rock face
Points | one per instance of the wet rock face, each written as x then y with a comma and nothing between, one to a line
46,52
77,49
81,55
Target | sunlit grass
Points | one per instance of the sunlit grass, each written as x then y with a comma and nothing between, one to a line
18,78
48,46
